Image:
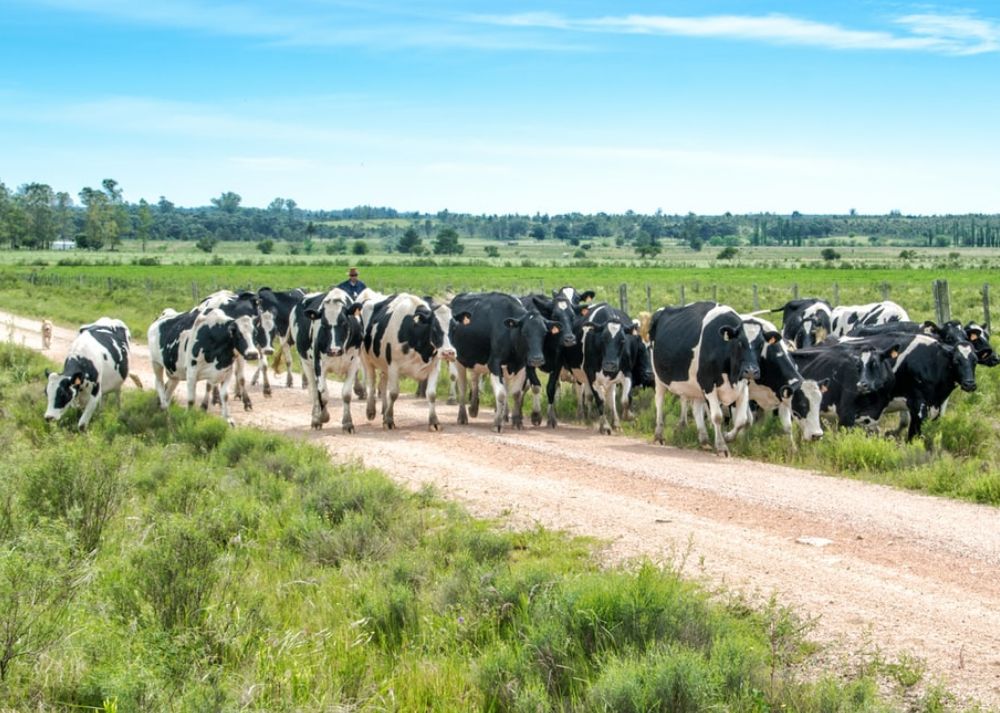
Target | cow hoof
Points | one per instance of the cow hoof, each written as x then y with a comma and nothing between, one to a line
551,422
605,430
474,410
389,425
348,427
463,419
536,418
451,401
370,413
658,438
498,427
316,425
435,426
267,391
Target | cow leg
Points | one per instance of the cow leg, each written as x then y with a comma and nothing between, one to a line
551,390
287,352
452,388
474,398
432,380
318,402
421,392
740,415
661,392
390,392
916,411
192,387
224,406
698,412
256,374
461,376
515,389
88,411
346,422
500,395
607,401
211,391
168,391
683,422
241,383
785,416
370,383
536,397
262,369
161,388
627,399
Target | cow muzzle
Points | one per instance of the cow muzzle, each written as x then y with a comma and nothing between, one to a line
569,340
610,368
751,373
448,354
535,362
334,352
268,351
864,388
968,386
251,355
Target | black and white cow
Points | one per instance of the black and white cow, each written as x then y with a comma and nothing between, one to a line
951,332
602,367
856,383
97,364
806,321
782,388
328,336
279,305
705,352
234,306
559,309
926,371
847,317
200,345
404,336
493,333
575,296
637,361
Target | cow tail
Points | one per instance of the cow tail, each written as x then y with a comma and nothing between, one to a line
278,360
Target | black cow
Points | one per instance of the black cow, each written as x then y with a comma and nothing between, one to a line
927,371
603,366
97,364
951,332
493,332
279,306
856,383
559,309
806,321
706,353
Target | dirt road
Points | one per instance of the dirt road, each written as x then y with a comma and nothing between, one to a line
903,572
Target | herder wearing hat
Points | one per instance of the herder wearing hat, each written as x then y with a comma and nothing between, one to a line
352,285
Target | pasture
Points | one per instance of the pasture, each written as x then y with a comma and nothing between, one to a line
163,561
957,456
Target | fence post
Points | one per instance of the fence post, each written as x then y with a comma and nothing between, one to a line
715,293
836,294
795,290
623,297
986,306
756,300
683,299
649,298
885,290
942,301
194,291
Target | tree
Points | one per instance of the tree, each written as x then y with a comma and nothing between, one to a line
360,247
537,232
38,200
64,215
145,222
727,253
646,245
492,251
266,247
118,222
829,254
561,232
446,243
228,202
411,242
99,222
207,243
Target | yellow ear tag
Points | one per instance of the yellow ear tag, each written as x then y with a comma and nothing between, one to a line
77,381
824,388
772,340
584,311
466,319
893,354
973,337
554,330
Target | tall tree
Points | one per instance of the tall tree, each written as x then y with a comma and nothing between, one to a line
228,202
411,242
145,222
38,200
118,224
99,226
446,243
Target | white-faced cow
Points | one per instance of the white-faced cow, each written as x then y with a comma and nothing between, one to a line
856,382
234,306
561,310
279,305
493,333
404,336
97,364
575,296
705,352
806,321
951,332
781,387
847,317
328,335
200,345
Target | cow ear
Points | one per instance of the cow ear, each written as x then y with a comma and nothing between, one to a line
824,385
354,309
584,311
77,379
727,332
555,293
553,327
463,318
587,296
772,337
312,313
892,352
511,323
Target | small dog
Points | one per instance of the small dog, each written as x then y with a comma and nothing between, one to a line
46,334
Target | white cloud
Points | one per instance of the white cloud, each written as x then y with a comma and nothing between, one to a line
929,32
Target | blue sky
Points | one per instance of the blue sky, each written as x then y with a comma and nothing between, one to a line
490,107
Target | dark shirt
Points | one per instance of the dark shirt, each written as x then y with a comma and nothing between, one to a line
353,289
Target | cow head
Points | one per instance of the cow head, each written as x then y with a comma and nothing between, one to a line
610,343
533,328
964,360
575,297
564,314
339,325
875,368
777,369
807,403
263,332
744,363
979,336
642,364
60,391
807,321
443,319
241,332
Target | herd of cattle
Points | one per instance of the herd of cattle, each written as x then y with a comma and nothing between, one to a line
851,364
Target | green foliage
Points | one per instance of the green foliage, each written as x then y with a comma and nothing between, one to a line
829,254
446,243
359,247
727,253
206,244
266,247
492,251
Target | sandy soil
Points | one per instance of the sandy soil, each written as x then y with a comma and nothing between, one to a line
906,573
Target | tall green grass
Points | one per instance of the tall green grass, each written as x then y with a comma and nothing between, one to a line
235,569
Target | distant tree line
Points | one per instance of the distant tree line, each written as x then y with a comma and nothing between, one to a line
35,216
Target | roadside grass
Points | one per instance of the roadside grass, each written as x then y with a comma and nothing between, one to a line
239,569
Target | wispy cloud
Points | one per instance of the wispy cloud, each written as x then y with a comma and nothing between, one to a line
928,32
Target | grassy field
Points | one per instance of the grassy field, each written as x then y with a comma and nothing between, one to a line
163,561
958,456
